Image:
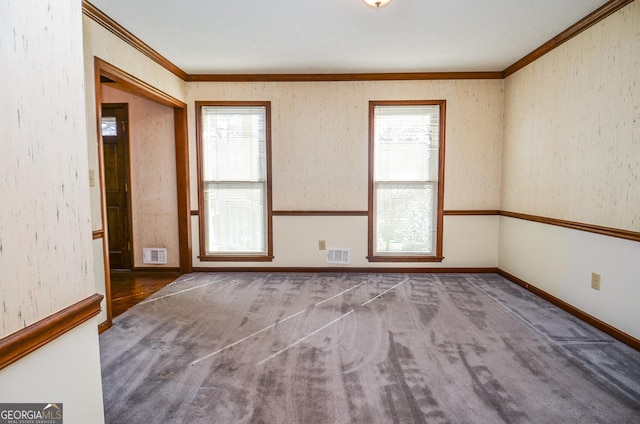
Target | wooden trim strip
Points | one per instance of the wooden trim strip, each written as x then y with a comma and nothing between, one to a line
135,84
606,231
320,213
589,319
195,213
19,344
183,189
606,10
119,31
406,258
148,91
103,193
239,258
411,270
104,326
472,212
98,234
389,76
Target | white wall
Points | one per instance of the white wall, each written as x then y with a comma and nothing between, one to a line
46,255
61,371
572,151
320,162
560,261
470,242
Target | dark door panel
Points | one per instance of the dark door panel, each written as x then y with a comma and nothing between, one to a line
115,140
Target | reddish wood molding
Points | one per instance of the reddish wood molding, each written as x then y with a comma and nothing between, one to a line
589,319
103,191
112,26
606,231
119,31
408,270
134,85
102,327
391,258
607,9
19,344
98,234
234,258
182,187
388,76
471,212
320,213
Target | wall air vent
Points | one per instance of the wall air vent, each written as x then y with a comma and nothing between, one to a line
338,256
154,255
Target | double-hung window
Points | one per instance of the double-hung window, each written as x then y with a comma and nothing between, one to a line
234,145
406,171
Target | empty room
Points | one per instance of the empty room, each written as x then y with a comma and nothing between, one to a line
347,211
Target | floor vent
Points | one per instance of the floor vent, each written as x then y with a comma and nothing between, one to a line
154,255
338,256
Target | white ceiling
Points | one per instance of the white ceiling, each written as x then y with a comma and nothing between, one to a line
344,36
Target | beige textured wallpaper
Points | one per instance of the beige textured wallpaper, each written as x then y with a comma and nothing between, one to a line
154,207
99,42
572,128
46,259
320,138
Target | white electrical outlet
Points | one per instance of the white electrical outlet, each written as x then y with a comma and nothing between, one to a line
595,281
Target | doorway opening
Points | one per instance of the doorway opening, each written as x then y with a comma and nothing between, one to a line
105,72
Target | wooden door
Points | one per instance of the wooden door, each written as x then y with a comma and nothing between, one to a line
115,141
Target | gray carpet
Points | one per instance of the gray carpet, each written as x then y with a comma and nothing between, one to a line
361,348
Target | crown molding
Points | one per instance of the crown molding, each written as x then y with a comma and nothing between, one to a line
365,76
606,10
112,26
122,33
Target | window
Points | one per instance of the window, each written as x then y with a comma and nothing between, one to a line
406,170
234,146
109,127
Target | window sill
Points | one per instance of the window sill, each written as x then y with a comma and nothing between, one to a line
389,258
233,258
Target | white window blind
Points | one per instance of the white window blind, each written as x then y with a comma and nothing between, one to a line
234,173
405,179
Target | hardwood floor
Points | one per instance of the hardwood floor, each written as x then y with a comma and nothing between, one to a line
129,288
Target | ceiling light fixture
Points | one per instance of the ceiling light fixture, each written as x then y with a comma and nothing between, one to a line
377,4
